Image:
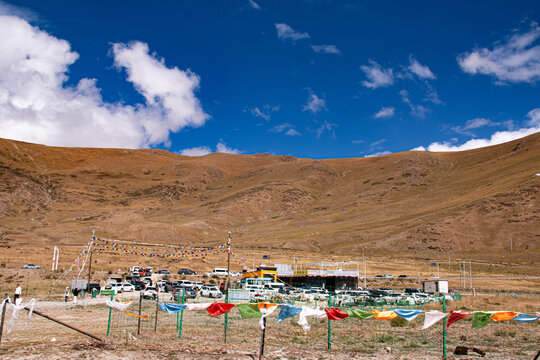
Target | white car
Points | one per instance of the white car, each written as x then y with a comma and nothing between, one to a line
150,292
126,287
211,292
117,287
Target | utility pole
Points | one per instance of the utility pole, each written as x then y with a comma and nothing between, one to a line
470,273
365,269
90,264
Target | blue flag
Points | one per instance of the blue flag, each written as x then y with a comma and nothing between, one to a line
172,308
288,311
407,314
525,318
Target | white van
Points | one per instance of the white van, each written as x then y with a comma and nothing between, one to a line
218,272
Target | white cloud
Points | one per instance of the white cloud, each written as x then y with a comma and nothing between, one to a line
385,112
534,117
497,138
285,32
326,127
431,95
223,148
264,112
254,5
514,59
288,128
37,106
376,144
196,151
326,49
478,123
380,153
422,71
419,111
377,75
292,132
314,104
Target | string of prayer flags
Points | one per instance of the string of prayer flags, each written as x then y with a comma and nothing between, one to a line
335,314
408,315
384,315
249,311
432,317
266,309
201,306
456,316
288,311
216,309
359,314
504,315
307,311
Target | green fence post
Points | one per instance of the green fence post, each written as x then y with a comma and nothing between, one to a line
329,326
177,314
110,311
182,314
226,318
444,328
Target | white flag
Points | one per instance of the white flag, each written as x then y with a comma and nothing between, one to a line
433,317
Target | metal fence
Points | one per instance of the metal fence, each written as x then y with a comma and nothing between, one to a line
500,340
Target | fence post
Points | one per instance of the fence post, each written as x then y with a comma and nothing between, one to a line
3,316
140,309
177,314
444,328
157,309
329,326
110,311
182,314
226,318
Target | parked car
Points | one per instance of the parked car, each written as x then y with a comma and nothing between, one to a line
148,271
117,287
139,285
163,272
211,292
31,266
150,292
190,293
187,272
217,272
127,287
402,276
388,276
379,276
147,281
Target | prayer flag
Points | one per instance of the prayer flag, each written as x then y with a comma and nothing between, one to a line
480,319
216,309
172,308
525,318
408,314
288,311
504,315
384,315
249,311
432,317
359,314
335,314
456,316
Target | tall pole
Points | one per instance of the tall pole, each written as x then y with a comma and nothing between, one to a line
228,262
470,274
3,316
90,264
510,242
365,269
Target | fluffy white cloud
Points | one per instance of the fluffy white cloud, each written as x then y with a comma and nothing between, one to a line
37,106
514,59
223,148
285,32
292,132
385,112
497,138
534,117
314,104
380,153
254,5
287,128
196,151
422,71
377,75
326,49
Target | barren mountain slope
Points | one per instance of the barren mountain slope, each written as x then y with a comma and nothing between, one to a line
406,203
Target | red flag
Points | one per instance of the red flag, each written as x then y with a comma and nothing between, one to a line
219,308
335,314
456,316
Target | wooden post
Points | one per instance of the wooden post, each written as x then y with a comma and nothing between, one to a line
263,334
64,324
3,317
139,319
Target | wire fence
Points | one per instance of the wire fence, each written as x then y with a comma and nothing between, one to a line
504,340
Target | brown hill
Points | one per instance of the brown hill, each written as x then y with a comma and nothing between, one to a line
405,203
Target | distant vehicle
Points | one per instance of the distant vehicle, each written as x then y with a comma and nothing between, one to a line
185,283
187,272
117,287
198,285
147,281
163,272
139,285
388,276
217,272
411,291
150,292
402,276
191,293
235,274
434,277
379,276
211,292
126,287
31,266
148,271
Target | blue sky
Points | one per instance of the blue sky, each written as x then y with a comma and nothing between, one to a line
317,79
